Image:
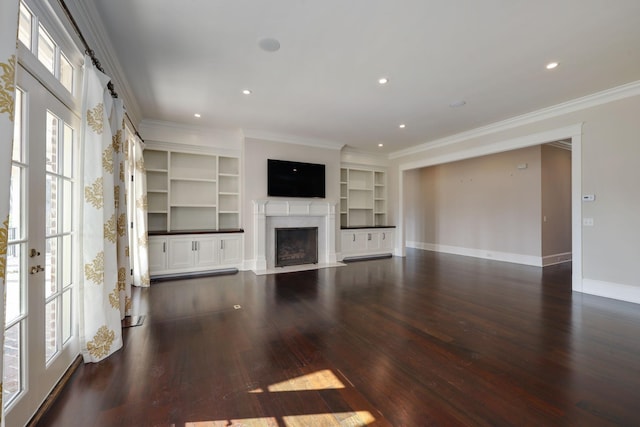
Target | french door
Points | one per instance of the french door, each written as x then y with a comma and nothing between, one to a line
40,332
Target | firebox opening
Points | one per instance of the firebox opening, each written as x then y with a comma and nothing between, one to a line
296,246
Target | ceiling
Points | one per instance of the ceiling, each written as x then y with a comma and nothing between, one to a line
196,56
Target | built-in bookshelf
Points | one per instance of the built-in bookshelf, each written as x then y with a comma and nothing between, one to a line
192,191
363,197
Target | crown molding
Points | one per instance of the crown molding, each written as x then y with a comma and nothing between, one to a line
564,145
497,147
149,123
350,155
187,135
88,19
593,100
292,139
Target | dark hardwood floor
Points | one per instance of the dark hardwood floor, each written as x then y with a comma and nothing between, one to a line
430,339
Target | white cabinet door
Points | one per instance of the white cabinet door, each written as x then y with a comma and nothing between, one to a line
230,249
206,252
181,253
157,254
387,240
354,241
373,240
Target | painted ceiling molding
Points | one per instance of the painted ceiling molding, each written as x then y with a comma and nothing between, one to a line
599,98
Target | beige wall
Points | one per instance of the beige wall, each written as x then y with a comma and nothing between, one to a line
556,200
517,202
255,155
610,148
485,203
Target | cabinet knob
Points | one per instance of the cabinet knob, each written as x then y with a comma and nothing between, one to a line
354,237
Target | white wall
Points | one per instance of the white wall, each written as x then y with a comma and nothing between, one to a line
610,148
255,154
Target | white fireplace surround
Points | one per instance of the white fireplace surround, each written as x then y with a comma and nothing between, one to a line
269,214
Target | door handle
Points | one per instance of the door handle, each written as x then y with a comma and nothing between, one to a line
164,246
368,236
33,253
354,237
36,269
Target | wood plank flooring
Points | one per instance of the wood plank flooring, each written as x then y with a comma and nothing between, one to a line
430,339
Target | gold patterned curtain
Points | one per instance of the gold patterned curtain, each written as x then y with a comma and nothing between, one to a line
137,210
105,286
8,37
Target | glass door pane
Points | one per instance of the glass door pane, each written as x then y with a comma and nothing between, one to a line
15,307
58,239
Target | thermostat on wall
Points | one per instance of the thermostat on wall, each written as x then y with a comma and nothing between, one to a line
588,197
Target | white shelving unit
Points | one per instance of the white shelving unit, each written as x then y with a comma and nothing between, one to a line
363,197
192,191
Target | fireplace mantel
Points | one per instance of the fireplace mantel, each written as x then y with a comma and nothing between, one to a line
289,213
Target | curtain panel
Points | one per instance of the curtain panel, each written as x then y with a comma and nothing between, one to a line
105,285
8,37
137,210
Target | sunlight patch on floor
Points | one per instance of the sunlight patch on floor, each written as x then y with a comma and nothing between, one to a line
337,419
320,380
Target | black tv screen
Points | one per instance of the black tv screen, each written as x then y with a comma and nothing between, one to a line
295,179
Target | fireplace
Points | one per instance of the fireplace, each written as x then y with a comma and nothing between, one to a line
279,213
296,246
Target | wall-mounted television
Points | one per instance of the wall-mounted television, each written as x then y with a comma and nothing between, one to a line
295,179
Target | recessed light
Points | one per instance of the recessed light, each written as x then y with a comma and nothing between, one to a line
197,115
246,91
383,80
457,104
381,145
552,65
402,126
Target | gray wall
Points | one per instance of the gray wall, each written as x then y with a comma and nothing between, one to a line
556,201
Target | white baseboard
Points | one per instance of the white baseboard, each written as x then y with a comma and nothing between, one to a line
556,259
612,290
479,253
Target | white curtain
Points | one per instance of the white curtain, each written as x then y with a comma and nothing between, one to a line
105,285
137,210
8,37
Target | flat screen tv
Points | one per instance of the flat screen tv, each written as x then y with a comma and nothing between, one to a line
295,179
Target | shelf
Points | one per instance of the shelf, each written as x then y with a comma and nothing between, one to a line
178,178
192,205
362,197
229,166
155,160
157,221
192,166
192,191
193,218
